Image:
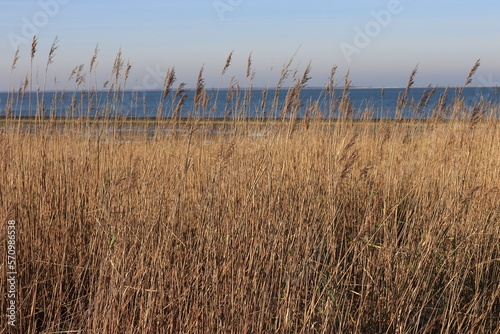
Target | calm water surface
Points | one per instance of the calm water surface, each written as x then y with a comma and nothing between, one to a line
380,103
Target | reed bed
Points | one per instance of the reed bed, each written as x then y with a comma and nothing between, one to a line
289,225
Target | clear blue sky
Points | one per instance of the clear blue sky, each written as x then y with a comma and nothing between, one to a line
380,42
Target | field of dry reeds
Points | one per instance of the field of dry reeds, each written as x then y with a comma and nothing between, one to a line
272,225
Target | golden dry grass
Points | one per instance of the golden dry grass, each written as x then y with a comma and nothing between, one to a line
341,229
290,226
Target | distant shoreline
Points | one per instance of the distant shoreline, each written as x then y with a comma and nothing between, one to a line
258,88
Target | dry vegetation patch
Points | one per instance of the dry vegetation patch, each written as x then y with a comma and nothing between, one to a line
369,227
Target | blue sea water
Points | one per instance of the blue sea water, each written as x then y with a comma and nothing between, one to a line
376,102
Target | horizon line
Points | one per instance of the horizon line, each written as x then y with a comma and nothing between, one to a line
256,88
